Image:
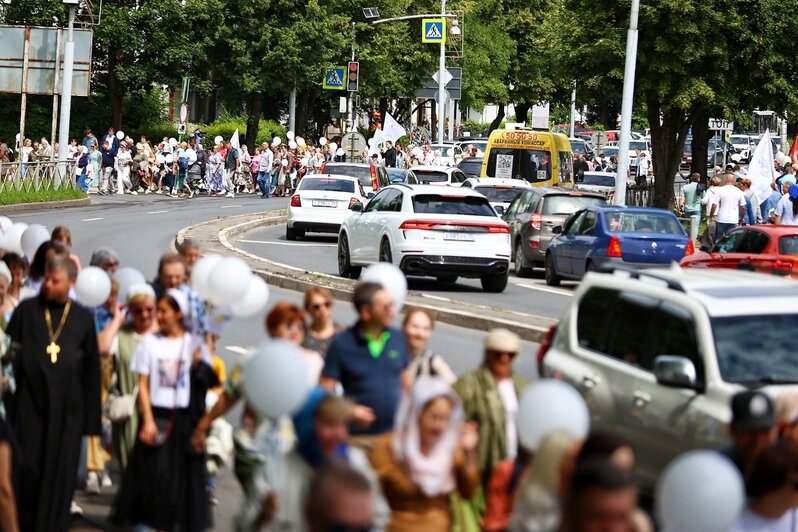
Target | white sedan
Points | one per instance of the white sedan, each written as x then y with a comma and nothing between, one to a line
500,192
428,231
321,203
439,175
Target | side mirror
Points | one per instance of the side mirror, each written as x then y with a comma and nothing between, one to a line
676,371
499,209
370,195
357,207
557,229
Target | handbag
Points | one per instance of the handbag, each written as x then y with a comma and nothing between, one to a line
121,407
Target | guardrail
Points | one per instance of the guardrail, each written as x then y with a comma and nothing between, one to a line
37,175
640,195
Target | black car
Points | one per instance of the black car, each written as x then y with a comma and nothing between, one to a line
471,166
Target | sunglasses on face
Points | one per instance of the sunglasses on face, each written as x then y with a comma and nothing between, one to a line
318,306
500,354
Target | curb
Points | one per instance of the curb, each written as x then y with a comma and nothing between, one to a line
215,235
39,205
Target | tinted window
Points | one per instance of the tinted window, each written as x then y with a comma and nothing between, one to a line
578,146
427,176
643,222
566,165
730,242
362,173
563,204
323,183
472,166
397,176
604,180
756,348
439,204
753,242
572,226
379,201
788,245
588,223
637,144
674,334
531,165
499,194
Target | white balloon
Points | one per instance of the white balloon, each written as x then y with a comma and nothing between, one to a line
255,299
323,141
169,159
292,144
277,141
390,277
120,135
173,142
93,286
699,491
127,277
290,135
218,139
548,405
191,155
229,281
276,379
201,274
33,237
333,146
340,152
300,141
13,239
416,152
284,162
5,223
159,158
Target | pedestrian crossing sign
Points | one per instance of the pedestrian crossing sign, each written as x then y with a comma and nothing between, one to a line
335,79
433,30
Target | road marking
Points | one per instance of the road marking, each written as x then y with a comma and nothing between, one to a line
240,350
229,206
91,219
299,244
156,212
546,289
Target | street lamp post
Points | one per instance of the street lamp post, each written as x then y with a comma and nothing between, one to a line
66,93
442,82
626,106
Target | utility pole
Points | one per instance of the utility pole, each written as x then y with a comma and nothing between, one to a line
66,95
626,105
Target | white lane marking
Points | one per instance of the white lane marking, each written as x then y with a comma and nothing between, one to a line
299,244
229,206
546,289
91,219
439,298
240,350
156,212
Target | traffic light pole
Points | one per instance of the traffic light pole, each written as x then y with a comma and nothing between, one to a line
350,96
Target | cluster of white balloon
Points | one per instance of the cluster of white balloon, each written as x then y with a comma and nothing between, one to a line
22,238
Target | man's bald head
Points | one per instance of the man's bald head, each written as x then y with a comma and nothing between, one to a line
730,179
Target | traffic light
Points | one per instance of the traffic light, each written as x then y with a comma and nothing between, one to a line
353,76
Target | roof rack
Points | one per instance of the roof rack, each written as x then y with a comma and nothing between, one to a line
634,273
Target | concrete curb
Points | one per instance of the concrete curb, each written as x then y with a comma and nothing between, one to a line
216,236
39,205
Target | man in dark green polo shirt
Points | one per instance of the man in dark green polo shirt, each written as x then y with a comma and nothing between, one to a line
370,361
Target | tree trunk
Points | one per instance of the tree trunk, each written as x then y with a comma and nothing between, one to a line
700,141
114,91
498,120
667,143
383,109
253,119
522,112
302,102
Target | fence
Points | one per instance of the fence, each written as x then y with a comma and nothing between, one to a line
37,175
640,195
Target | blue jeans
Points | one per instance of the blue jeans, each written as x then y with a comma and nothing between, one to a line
275,180
723,228
264,184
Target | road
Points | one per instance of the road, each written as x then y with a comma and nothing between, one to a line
141,228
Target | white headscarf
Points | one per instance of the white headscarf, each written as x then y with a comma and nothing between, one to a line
432,473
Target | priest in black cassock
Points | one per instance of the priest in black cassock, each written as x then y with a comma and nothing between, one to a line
57,367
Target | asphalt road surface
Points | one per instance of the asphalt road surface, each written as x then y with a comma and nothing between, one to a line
141,228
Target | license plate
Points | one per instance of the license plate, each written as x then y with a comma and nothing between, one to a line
459,237
325,203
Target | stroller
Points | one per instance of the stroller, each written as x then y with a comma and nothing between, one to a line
195,177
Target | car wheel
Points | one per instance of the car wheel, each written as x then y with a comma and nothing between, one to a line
345,268
290,233
519,262
385,251
589,266
552,279
494,283
448,279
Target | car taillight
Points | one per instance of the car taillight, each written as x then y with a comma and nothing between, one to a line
428,225
535,221
323,166
614,248
690,248
353,201
375,183
295,201
545,344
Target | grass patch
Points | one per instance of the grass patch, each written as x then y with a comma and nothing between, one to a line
12,197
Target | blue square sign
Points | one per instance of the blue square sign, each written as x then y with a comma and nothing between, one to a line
335,79
433,30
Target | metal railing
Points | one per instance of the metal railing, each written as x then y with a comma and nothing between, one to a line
640,195
37,175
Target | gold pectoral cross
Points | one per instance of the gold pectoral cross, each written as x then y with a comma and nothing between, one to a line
53,349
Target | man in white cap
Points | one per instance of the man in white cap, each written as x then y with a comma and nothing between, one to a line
490,396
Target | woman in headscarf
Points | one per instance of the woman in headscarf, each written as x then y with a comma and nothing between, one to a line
429,455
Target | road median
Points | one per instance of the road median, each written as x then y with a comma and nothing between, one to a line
218,236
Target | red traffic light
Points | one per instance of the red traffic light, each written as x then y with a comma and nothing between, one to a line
353,76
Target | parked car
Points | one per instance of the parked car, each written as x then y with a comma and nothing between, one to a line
606,237
637,144
715,155
401,175
765,248
500,192
743,147
532,216
471,166
581,146
658,354
439,175
450,153
597,182
480,143
321,203
428,231
367,174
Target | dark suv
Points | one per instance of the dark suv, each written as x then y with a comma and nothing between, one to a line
533,214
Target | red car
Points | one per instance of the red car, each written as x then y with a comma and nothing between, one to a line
765,248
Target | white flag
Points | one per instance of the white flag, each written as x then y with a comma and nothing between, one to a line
378,138
392,130
235,142
760,169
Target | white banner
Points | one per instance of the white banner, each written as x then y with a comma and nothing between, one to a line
392,130
760,169
235,142
378,138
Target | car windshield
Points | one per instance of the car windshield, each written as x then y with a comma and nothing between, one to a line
756,349
442,204
609,151
788,245
562,204
362,173
471,167
603,180
431,176
511,163
327,183
499,194
637,145
642,222
578,146
738,139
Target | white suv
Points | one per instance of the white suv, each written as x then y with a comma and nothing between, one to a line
428,231
658,354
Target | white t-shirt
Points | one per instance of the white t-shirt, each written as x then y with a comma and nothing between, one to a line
510,401
168,362
751,522
728,199
784,209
